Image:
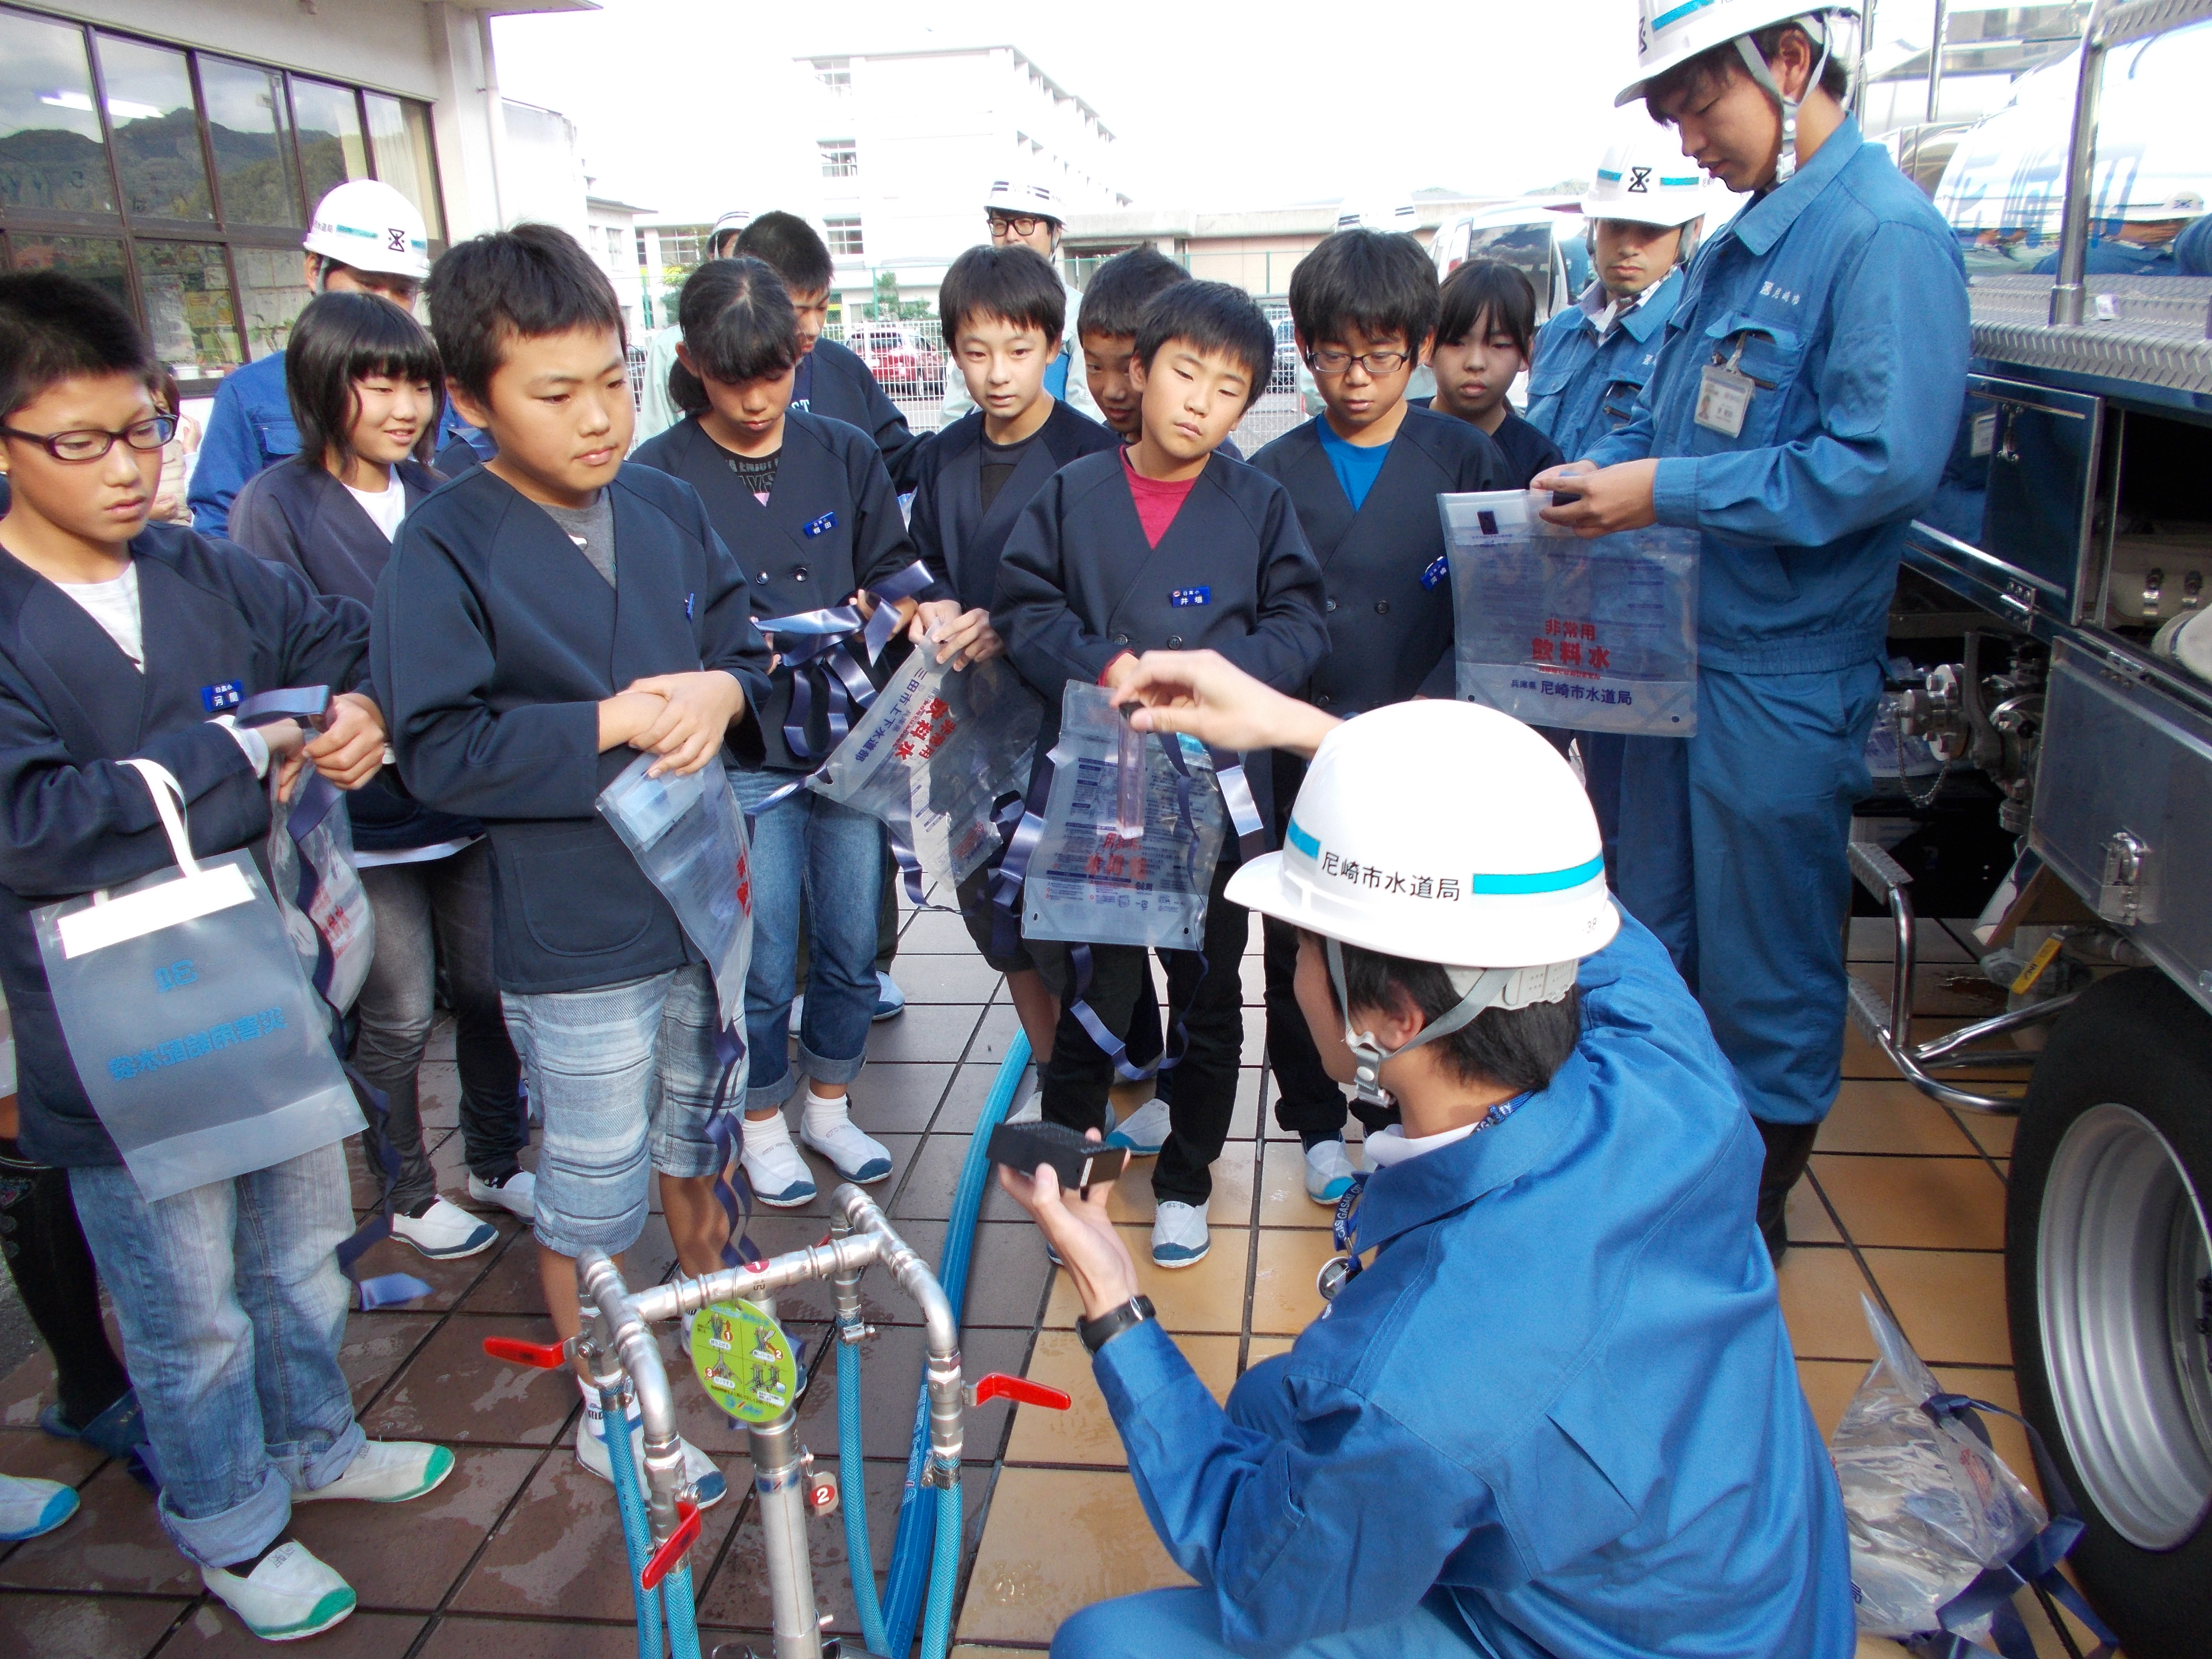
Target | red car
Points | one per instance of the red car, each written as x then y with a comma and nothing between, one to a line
904,363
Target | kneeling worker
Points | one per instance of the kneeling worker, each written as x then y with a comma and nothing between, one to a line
1551,1409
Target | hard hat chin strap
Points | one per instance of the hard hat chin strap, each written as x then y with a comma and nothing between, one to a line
1370,1056
1786,163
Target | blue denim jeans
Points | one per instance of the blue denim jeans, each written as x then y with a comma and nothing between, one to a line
232,1307
835,855
624,1076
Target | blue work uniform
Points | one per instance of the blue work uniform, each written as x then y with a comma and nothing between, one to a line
250,427
1583,386
1840,294
1557,1414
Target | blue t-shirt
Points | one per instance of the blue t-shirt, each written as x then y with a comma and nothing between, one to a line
1356,467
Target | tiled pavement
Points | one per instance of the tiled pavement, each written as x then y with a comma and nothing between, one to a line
519,1555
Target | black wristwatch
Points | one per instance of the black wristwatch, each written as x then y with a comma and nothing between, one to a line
1097,1333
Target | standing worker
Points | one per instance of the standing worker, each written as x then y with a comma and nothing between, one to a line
365,237
1027,212
1799,415
1551,1407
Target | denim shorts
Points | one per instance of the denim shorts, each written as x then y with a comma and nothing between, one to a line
625,1077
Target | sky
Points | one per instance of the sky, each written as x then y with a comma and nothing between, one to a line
1216,106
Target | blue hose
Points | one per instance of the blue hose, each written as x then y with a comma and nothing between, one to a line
683,1616
854,1472
636,1535
917,1545
944,1572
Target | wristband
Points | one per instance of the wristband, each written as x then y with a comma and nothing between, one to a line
1097,1333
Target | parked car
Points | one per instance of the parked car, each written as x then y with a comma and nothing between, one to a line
905,363
1284,375
1540,235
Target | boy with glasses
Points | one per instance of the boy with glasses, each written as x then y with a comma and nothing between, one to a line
1364,475
118,640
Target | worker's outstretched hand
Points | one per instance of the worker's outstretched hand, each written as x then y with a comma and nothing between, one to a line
1082,1234
1203,693
1608,498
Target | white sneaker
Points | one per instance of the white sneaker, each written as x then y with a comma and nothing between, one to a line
290,1594
1179,1235
1329,1171
386,1472
444,1231
29,1508
779,1176
856,1154
1144,1131
1031,1110
707,1486
517,1194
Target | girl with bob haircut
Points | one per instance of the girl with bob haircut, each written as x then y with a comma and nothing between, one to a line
805,504
366,388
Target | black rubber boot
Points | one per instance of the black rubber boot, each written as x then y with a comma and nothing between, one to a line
1788,1147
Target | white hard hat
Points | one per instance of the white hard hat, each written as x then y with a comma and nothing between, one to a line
1670,32
1442,832
1024,196
367,224
1646,182
1374,215
729,224
2177,204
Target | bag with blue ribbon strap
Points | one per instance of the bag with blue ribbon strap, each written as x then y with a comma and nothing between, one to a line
1943,1535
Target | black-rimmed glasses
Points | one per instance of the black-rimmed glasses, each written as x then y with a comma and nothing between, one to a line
89,443
1377,363
1022,224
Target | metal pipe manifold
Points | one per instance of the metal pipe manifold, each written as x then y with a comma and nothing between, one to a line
623,1329
941,1325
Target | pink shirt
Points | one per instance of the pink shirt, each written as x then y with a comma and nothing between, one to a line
1158,502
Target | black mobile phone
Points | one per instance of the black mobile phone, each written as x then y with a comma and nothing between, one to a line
1077,1160
1565,497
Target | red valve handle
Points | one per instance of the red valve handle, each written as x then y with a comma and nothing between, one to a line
545,1356
664,1559
998,1386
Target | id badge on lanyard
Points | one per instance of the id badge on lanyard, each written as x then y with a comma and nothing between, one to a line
1724,393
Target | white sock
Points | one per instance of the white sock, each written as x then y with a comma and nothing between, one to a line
593,1415
825,1117
763,1133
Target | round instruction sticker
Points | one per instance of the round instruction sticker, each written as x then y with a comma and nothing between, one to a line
744,1360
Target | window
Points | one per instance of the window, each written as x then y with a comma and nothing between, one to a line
683,246
183,186
834,73
844,238
841,157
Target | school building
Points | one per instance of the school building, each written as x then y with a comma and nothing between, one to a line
169,150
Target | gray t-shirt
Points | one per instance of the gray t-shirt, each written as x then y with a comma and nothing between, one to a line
592,528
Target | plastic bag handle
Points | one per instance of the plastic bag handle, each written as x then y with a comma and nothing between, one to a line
161,784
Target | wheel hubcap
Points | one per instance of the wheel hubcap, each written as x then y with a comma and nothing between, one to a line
2123,1276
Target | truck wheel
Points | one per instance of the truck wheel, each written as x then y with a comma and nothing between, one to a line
2110,1286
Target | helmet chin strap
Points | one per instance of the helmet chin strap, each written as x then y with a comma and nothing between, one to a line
1786,163
1370,1056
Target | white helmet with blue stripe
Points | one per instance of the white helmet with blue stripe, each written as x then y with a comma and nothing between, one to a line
368,225
1442,832
1647,181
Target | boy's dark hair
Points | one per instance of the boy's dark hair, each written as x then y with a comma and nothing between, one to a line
1213,316
791,248
343,337
1379,282
1489,295
55,328
1516,1048
525,284
1714,68
1016,284
737,325
1114,304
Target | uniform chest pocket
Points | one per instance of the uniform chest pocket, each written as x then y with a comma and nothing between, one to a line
1550,376
1768,357
278,436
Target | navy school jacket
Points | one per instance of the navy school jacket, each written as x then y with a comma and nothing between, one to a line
294,514
1387,599
1079,584
831,527
494,642
842,387
215,620
957,539
1525,448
